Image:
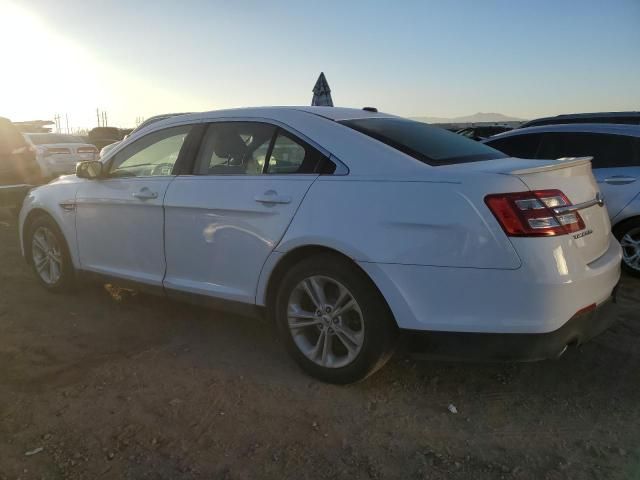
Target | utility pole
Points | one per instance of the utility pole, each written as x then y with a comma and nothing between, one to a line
66,116
98,115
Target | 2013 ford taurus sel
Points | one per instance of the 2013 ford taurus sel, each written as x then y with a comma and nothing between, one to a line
346,227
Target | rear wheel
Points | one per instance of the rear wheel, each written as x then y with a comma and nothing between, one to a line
335,323
628,234
49,255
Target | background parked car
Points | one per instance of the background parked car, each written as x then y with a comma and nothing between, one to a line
103,136
480,132
616,165
19,170
57,154
622,118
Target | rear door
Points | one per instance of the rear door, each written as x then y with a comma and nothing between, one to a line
223,221
615,163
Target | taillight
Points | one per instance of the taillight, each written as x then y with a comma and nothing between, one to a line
531,214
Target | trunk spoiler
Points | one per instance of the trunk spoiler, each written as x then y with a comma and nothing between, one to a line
558,164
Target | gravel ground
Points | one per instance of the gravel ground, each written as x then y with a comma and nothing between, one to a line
144,388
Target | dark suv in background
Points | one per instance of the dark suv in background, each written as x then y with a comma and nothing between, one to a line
621,118
19,170
615,150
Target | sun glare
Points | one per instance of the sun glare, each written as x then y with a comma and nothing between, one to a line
43,73
49,74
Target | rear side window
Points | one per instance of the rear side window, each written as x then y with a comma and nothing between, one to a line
607,150
253,148
234,148
431,145
519,146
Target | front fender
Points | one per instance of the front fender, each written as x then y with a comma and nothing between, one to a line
48,200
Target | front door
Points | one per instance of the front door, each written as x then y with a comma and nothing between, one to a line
618,172
615,163
224,221
120,218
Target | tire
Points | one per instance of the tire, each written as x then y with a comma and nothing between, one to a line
361,335
628,234
58,274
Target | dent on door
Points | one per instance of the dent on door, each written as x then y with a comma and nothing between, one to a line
220,231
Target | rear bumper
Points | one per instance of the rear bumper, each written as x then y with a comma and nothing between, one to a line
540,297
519,347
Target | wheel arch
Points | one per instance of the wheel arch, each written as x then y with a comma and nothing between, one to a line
282,262
31,217
624,221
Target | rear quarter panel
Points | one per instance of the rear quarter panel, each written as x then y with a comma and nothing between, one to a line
405,222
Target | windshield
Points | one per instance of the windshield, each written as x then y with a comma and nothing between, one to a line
53,138
431,145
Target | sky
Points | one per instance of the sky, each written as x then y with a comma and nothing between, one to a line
135,59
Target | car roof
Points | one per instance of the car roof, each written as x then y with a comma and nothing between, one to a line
331,113
579,116
42,134
611,128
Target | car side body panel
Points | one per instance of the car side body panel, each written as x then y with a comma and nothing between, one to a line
55,199
631,210
414,223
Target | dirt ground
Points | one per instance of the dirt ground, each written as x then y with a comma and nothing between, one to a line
92,388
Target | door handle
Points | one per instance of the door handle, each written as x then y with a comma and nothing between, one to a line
272,197
145,194
619,180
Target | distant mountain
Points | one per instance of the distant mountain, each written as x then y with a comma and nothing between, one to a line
475,118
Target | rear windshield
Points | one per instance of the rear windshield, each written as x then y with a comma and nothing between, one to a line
53,138
431,145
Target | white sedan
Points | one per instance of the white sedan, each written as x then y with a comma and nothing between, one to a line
346,227
57,153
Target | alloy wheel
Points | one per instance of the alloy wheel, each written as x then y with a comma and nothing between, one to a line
630,243
46,255
325,321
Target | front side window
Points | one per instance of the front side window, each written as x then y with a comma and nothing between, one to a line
153,155
607,150
431,145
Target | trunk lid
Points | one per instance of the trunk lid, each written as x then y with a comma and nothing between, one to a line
573,177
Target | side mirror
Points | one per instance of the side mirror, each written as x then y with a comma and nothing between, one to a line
91,169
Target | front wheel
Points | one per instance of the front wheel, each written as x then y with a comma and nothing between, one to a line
628,234
49,255
333,320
